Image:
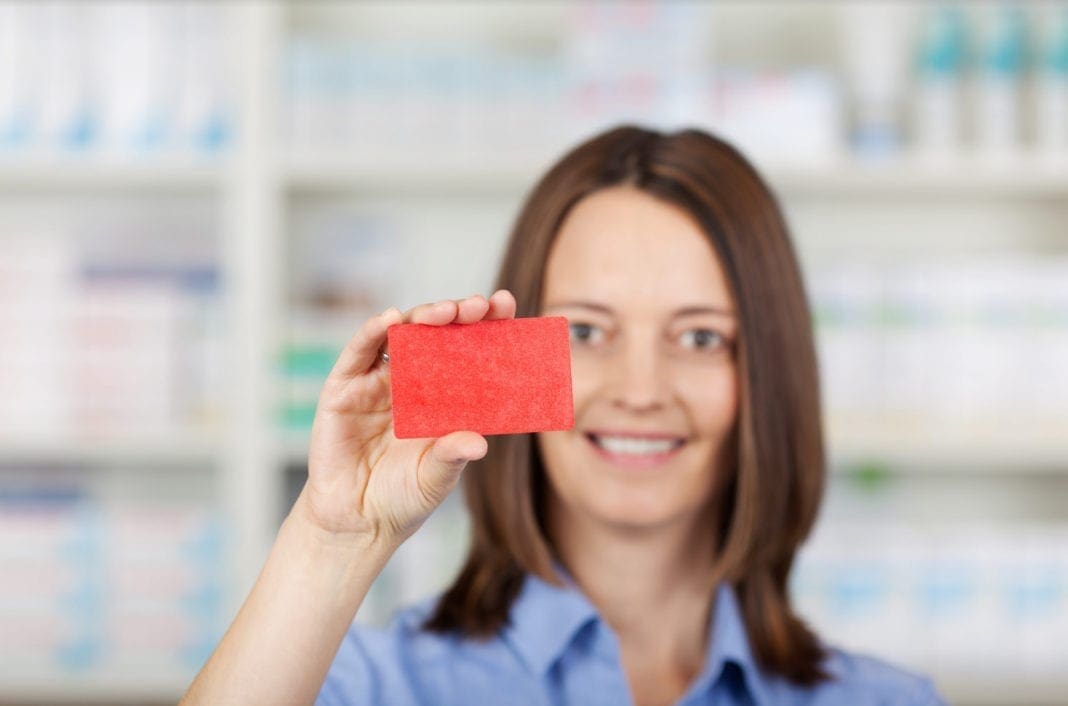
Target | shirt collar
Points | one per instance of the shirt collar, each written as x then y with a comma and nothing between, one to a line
729,643
545,620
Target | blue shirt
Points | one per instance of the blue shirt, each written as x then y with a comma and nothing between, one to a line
557,650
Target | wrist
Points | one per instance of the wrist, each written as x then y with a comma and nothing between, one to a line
361,547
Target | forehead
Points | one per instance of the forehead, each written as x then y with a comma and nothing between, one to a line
623,245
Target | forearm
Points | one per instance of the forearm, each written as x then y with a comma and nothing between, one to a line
284,638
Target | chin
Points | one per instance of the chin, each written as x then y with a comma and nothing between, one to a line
629,512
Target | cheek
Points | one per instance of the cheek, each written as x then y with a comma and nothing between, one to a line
558,449
712,398
553,447
585,380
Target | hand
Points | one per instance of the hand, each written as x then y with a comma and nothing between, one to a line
361,479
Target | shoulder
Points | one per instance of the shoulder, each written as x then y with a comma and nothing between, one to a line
373,661
404,664
858,678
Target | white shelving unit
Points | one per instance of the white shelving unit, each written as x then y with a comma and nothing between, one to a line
828,203
184,449
123,176
102,689
901,177
260,185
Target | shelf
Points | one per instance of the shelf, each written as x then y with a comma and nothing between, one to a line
100,687
905,176
1010,457
178,449
260,192
514,175
409,174
104,688
1027,457
1020,176
95,174
998,692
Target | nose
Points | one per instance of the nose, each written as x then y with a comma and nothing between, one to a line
637,376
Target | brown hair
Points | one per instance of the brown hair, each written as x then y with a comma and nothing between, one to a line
772,495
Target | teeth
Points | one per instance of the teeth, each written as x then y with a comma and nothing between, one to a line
630,445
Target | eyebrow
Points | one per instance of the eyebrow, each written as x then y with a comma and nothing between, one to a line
684,311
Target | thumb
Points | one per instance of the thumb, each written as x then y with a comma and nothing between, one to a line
448,457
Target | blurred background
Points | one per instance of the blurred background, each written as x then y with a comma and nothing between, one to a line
200,202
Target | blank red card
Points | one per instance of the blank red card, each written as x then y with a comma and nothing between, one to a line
505,376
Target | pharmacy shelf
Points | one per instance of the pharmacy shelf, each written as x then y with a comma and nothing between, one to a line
141,689
256,190
95,174
916,177
100,687
998,692
1037,456
950,456
438,174
905,176
188,449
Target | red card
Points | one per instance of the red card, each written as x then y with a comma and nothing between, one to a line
505,376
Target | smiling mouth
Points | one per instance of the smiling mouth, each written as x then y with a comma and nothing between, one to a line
634,446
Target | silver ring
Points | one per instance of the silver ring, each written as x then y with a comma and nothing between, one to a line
383,356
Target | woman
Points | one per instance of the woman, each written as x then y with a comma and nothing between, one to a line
642,556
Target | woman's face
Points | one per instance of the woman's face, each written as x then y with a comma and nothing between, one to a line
652,330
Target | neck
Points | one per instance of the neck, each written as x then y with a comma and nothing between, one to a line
646,584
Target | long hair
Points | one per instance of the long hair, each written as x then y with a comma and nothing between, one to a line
772,493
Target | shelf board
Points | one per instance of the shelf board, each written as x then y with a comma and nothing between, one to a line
905,176
176,449
991,691
125,688
97,174
103,688
1023,456
433,173
1022,176
897,454
99,687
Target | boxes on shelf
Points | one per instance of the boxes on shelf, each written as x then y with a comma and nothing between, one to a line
107,584
109,333
960,351
408,95
937,79
966,600
113,78
344,268
413,96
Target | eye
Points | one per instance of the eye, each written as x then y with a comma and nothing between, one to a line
586,333
703,339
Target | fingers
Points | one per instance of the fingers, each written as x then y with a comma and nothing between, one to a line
361,352
501,305
459,447
446,459
433,313
472,309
